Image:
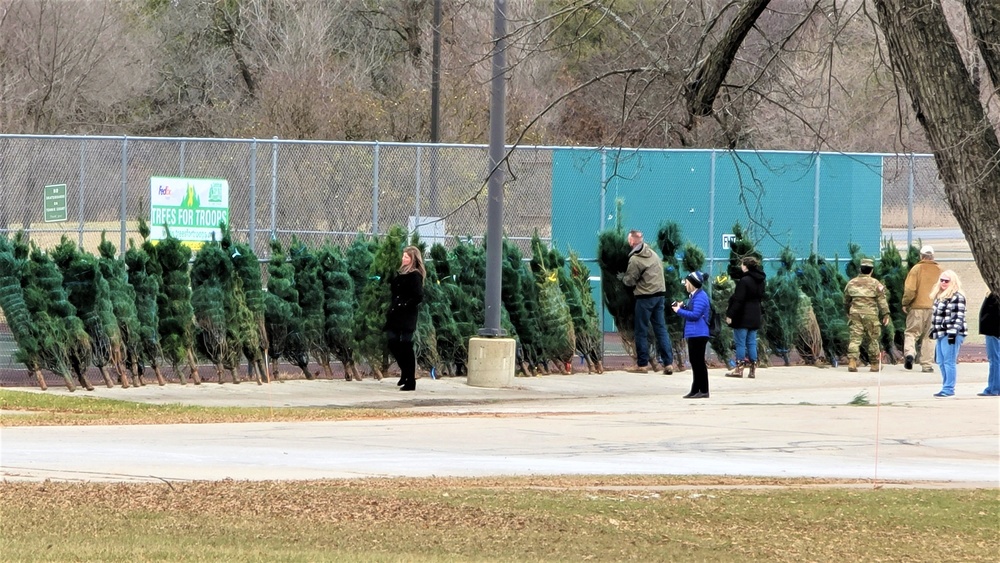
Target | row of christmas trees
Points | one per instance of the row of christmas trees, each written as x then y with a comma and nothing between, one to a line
804,304
68,309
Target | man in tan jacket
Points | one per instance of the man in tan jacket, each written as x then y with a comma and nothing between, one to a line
917,305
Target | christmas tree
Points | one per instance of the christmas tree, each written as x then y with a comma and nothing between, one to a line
612,259
668,242
211,294
782,317
309,285
891,271
369,322
425,337
519,305
589,337
338,306
90,294
144,277
556,322
123,304
283,315
248,308
174,304
454,312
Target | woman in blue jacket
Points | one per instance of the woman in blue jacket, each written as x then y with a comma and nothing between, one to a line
695,314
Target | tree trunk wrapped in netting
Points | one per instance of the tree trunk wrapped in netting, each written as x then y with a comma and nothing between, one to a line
43,337
123,304
144,277
176,312
282,314
612,258
250,317
338,306
521,307
460,313
669,243
309,285
824,285
211,296
88,291
809,341
589,337
556,321
892,272
369,323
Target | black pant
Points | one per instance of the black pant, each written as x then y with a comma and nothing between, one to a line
699,370
401,348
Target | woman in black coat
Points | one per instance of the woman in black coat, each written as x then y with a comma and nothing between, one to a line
743,315
407,289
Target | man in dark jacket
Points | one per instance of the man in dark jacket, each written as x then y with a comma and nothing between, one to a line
989,326
743,315
645,276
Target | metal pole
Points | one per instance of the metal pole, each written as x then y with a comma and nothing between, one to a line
416,217
124,194
375,191
711,217
252,230
494,210
604,187
435,108
815,243
82,192
909,207
274,188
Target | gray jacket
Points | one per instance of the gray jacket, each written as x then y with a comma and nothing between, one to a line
645,273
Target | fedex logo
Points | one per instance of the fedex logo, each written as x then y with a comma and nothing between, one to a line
164,190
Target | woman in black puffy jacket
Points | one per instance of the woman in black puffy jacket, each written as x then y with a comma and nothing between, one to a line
407,290
743,315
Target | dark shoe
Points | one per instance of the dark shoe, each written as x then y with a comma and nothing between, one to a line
943,395
753,370
985,394
408,388
401,382
667,370
690,395
637,369
908,363
700,396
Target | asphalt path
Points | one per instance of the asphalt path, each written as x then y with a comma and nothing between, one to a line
789,422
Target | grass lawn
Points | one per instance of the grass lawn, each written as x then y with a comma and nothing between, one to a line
522,519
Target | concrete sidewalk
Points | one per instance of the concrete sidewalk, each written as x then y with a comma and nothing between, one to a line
789,422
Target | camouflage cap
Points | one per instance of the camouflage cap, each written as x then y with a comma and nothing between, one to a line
867,262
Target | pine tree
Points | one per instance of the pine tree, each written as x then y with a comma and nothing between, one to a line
249,305
211,297
454,313
824,285
517,302
781,307
89,292
556,321
123,304
369,323
425,336
174,304
282,313
43,322
359,257
310,288
668,241
144,277
891,271
338,307
589,338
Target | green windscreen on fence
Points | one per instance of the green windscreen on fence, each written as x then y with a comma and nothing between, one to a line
784,199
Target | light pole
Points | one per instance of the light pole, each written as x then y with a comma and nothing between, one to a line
494,209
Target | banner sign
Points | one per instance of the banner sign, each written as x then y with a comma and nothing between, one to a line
191,207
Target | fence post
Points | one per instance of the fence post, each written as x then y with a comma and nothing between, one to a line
815,243
124,194
83,152
711,217
909,207
375,165
252,229
416,218
274,188
604,186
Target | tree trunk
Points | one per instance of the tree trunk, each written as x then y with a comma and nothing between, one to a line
924,52
985,19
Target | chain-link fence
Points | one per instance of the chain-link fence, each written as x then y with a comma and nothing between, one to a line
320,191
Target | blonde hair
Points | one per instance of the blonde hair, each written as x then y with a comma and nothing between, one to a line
416,262
954,286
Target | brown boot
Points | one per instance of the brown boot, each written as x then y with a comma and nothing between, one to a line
874,367
753,370
852,365
637,369
737,371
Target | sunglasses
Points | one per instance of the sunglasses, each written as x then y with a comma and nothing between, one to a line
944,280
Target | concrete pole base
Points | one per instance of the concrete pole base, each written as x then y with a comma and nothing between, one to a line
491,362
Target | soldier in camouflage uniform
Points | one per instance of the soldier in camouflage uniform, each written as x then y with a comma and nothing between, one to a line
865,303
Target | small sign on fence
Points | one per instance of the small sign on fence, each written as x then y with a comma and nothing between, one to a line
727,240
55,203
